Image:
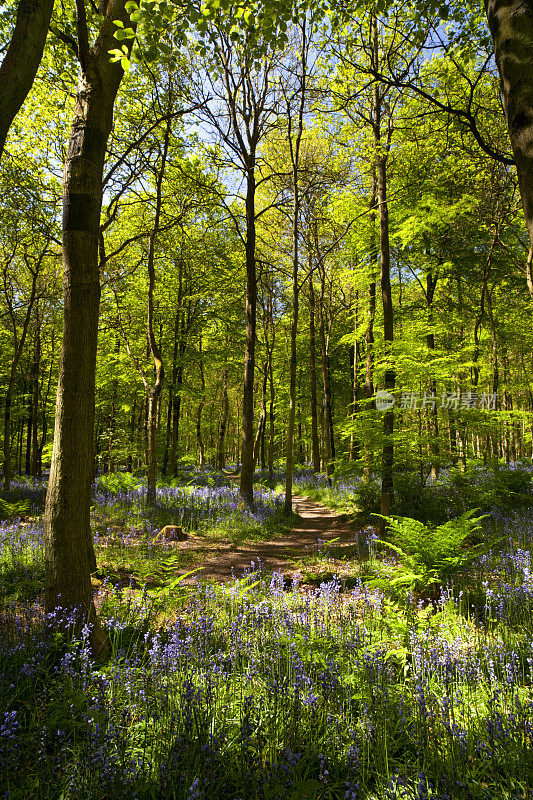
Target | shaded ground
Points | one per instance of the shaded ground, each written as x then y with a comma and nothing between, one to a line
316,525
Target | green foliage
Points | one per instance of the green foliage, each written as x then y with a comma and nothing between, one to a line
116,482
18,508
430,555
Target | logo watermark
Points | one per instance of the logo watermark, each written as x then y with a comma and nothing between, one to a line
457,401
384,400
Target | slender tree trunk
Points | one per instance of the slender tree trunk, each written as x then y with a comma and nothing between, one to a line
369,335
264,415
199,440
28,428
246,489
329,442
355,444
131,438
272,432
17,352
294,148
315,442
289,454
177,374
112,420
431,285
387,464
69,549
35,404
152,399
168,433
221,458
259,435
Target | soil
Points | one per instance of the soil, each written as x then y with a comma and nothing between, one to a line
316,525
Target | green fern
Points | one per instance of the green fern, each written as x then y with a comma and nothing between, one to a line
429,555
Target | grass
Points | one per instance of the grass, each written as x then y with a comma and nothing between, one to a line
318,687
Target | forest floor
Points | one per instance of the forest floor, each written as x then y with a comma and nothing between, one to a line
316,528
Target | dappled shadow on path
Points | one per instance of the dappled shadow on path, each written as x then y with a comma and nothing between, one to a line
315,526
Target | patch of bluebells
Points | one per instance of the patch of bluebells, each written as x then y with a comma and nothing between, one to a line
21,547
258,686
255,690
194,507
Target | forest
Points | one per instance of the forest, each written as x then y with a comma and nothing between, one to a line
266,400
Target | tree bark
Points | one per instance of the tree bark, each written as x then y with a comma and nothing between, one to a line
315,442
294,147
387,463
369,334
17,352
69,549
36,369
329,441
221,455
246,489
355,444
22,59
199,440
511,26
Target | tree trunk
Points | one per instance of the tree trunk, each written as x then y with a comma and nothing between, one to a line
431,285
69,549
511,25
200,441
294,148
18,347
264,415
272,433
369,335
246,488
177,376
29,422
131,440
221,457
329,442
153,394
355,444
289,454
35,404
22,59
315,442
387,464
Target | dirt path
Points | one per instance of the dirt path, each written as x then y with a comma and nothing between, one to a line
317,524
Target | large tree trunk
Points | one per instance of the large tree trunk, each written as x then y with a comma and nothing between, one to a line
69,549
22,59
511,26
246,488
